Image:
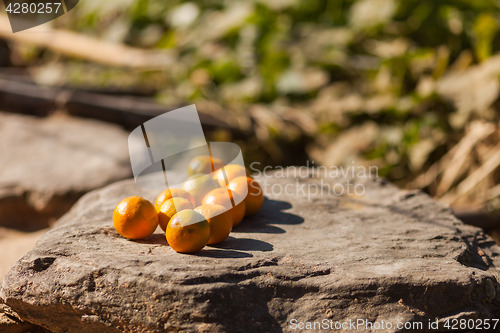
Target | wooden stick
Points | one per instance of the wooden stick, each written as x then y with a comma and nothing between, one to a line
493,192
474,178
457,165
129,111
88,48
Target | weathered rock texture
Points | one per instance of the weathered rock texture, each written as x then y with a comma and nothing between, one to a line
10,323
48,163
388,255
13,245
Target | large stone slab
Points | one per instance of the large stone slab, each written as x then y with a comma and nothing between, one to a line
385,256
48,163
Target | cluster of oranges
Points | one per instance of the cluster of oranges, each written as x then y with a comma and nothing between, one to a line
202,212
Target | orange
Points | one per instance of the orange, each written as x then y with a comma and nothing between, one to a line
249,187
135,218
198,186
188,231
203,164
172,193
226,197
232,171
219,219
170,207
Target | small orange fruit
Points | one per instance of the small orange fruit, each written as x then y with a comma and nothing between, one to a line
188,231
219,219
170,207
231,171
251,190
198,186
172,193
135,218
203,165
226,198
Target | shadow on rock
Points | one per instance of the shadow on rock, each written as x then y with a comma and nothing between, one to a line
244,244
269,215
156,238
212,253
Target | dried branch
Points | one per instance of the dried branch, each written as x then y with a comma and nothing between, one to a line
456,166
475,177
87,48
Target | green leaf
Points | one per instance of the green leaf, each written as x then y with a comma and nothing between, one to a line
485,30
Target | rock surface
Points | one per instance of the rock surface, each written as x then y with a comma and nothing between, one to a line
48,163
388,255
13,245
10,322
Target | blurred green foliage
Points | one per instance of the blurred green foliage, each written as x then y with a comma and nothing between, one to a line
338,64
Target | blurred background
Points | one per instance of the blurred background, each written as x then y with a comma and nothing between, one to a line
409,86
